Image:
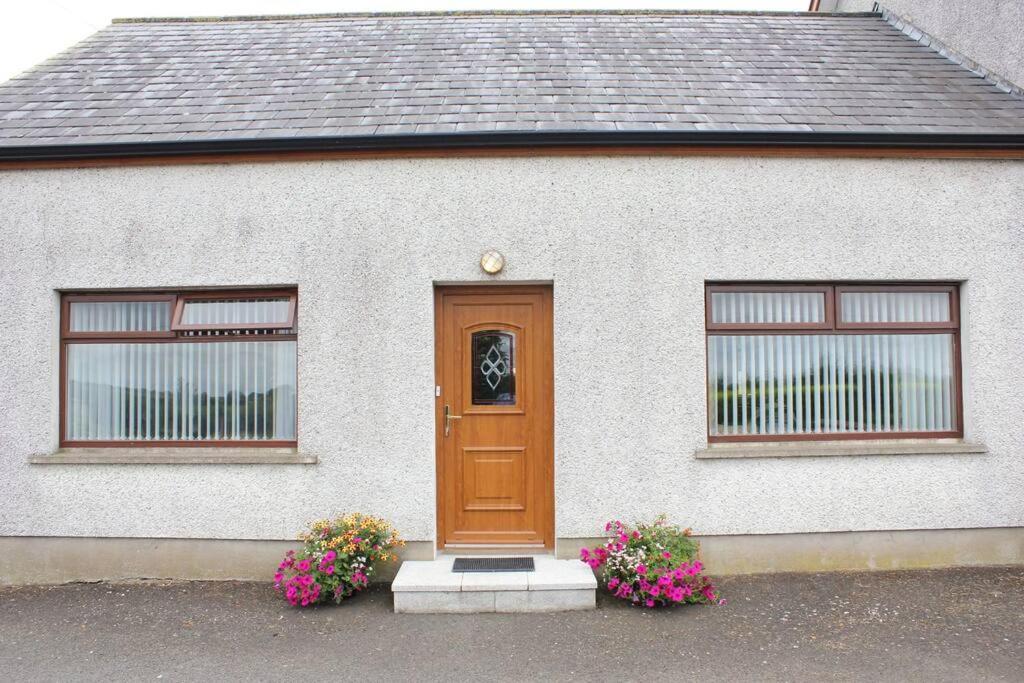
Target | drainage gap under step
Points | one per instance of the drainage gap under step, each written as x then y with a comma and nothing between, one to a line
492,564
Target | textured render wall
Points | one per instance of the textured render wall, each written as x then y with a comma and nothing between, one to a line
628,243
989,32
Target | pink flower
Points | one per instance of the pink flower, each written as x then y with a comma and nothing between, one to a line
303,566
278,577
654,591
649,603
584,554
641,569
613,583
667,555
329,569
636,534
329,556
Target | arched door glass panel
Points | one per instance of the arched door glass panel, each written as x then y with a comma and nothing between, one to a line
493,371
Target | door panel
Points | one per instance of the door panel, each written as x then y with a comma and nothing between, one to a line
494,370
493,479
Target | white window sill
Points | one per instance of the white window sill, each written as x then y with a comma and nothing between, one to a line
801,449
175,456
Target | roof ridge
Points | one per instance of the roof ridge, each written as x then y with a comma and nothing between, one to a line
485,13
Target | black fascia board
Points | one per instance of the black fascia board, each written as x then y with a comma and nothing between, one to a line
513,139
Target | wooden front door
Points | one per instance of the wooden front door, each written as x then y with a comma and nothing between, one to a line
495,416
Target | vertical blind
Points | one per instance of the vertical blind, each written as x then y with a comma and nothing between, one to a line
235,311
767,307
895,307
120,316
238,390
830,384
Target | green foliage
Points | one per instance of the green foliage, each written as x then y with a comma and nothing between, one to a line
660,536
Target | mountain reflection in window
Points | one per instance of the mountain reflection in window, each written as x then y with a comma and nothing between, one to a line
494,376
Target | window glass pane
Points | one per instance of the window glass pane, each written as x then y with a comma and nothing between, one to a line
494,374
894,307
767,307
822,384
182,391
119,316
227,312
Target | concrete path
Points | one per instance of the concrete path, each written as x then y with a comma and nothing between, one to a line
955,625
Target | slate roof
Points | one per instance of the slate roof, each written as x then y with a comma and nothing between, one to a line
378,75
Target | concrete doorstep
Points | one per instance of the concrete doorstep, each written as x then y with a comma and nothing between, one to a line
553,586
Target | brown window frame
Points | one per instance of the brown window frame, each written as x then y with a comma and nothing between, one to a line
182,299
65,316
826,324
836,326
954,307
186,334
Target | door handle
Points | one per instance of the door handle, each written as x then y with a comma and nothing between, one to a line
448,417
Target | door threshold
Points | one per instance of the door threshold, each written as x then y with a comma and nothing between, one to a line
481,549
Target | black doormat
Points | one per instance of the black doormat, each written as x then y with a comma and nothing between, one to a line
492,564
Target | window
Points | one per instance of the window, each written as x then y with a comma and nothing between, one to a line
822,361
493,371
232,312
179,369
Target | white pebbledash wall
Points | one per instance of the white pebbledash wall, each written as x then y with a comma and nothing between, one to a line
628,243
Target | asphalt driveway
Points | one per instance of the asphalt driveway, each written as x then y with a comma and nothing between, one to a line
955,625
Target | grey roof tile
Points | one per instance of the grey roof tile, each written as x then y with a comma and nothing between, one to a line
440,73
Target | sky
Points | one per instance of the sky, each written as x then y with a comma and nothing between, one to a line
33,31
